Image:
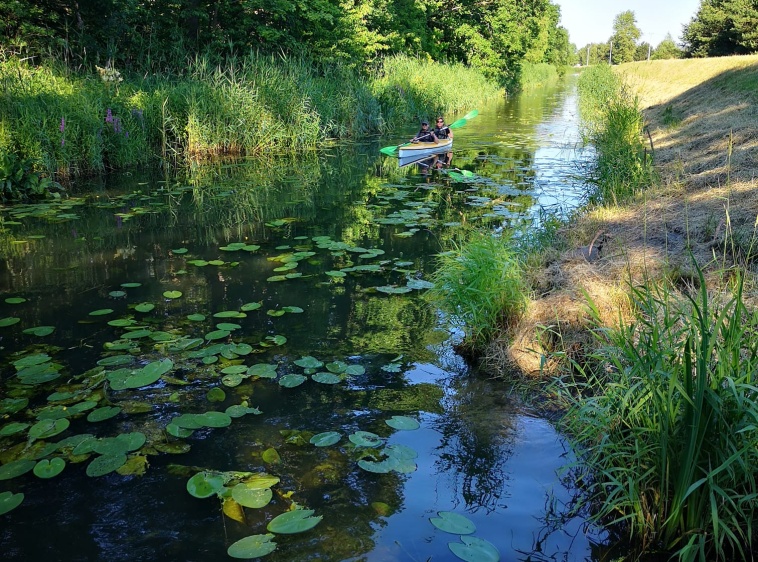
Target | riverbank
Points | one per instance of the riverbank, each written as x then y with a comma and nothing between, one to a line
703,127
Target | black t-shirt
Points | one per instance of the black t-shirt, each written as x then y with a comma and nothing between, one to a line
441,133
425,136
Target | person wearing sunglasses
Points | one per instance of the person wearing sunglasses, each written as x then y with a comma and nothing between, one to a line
425,135
442,131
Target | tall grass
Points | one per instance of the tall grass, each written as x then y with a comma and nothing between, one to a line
480,285
537,75
666,424
69,123
411,88
613,123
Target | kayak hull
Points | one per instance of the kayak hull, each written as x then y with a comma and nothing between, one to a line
420,149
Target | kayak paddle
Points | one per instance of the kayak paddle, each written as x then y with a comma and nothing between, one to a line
392,150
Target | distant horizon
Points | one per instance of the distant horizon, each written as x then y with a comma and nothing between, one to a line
591,21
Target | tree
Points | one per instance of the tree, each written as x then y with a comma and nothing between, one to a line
643,51
667,49
722,27
624,38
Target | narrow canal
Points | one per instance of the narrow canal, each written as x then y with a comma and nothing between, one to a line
186,359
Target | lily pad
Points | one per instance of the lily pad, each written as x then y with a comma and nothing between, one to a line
251,496
205,484
402,422
326,378
101,312
355,370
117,294
247,307
179,251
262,370
131,285
9,501
16,468
104,413
365,439
292,522
216,395
309,362
49,468
217,335
9,321
121,322
13,428
48,428
172,294
253,546
30,360
228,326
326,439
13,405
239,410
474,549
292,380
214,419
105,464
144,307
40,331
15,300
453,523
196,317
116,360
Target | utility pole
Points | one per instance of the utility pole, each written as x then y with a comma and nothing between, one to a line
588,54
610,54
648,51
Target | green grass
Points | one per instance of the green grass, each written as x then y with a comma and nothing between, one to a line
70,123
665,424
537,75
480,285
614,125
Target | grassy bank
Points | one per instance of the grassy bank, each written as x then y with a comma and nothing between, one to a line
56,123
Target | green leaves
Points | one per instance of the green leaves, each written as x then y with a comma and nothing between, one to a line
253,546
291,522
9,501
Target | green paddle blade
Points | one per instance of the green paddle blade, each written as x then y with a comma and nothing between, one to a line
463,120
471,114
389,150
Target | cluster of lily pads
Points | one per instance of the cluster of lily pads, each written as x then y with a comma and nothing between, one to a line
470,549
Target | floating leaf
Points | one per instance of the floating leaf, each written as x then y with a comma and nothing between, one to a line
104,413
365,439
253,546
216,394
16,468
176,431
232,380
336,367
355,370
247,307
271,456
172,294
105,464
382,467
228,326
13,405
292,522
115,360
262,370
336,274
326,378
389,289
401,452
117,294
292,380
121,322
10,501
453,523
214,419
326,439
309,362
144,307
48,428
402,422
15,300
205,484
49,468
40,331
419,284
233,510
229,314
217,335
13,428
179,251
196,317
101,312
251,496
474,549
131,285
275,313
239,410
30,360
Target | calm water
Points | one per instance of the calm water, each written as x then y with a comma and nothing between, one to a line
324,256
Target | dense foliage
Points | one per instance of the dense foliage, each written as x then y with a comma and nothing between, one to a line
722,27
493,37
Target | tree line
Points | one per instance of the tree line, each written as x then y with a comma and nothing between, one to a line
718,28
494,37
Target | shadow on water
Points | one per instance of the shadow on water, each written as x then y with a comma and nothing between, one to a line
290,290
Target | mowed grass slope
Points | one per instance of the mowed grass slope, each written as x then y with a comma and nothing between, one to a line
701,125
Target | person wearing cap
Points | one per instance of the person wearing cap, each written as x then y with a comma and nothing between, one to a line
442,131
425,135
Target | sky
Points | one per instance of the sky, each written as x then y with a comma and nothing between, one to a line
591,21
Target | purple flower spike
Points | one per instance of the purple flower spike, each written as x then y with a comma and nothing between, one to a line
126,134
63,124
63,141
108,116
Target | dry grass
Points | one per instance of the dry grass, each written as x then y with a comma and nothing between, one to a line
703,123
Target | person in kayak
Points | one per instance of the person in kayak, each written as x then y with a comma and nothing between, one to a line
425,135
442,131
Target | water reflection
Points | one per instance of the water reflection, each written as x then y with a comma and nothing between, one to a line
359,234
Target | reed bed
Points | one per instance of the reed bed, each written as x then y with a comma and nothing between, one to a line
664,416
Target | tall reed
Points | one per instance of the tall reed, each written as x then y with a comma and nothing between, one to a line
666,425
